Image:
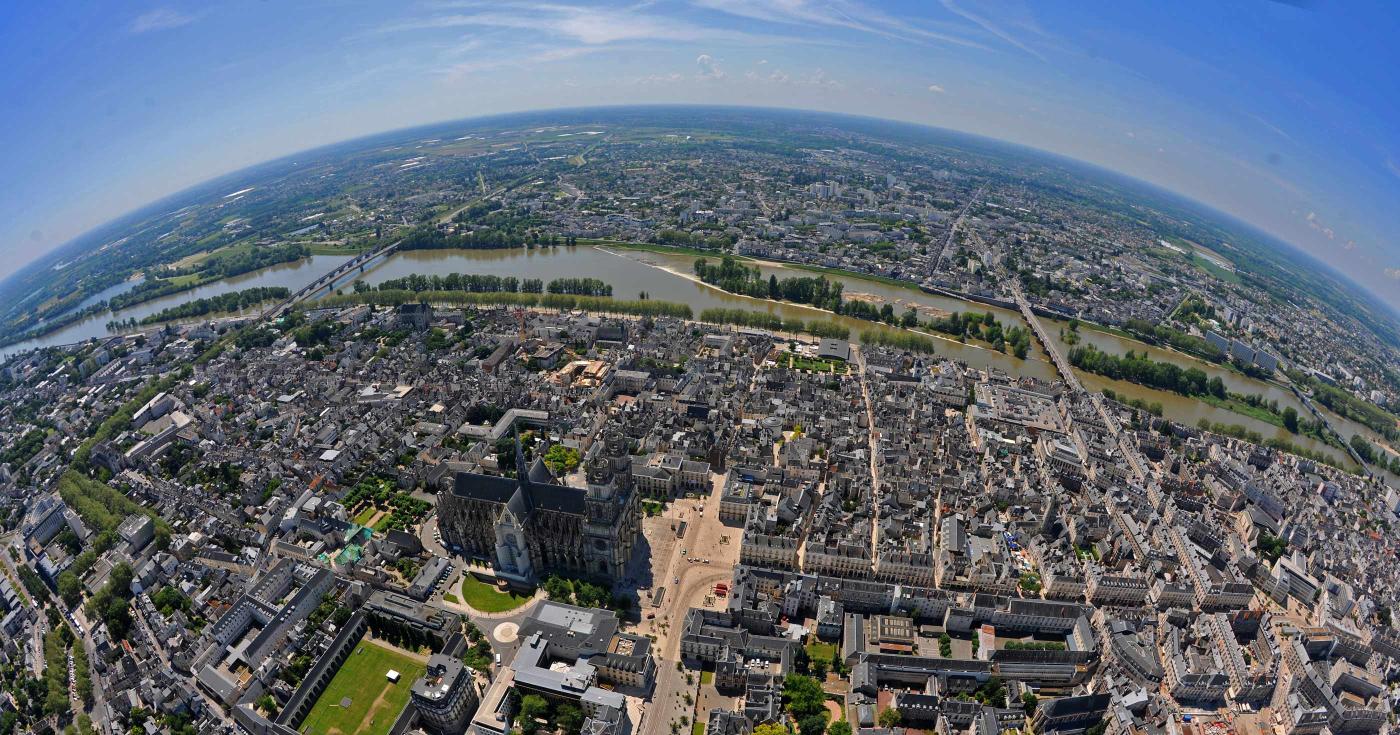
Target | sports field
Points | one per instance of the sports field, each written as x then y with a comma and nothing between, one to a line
375,702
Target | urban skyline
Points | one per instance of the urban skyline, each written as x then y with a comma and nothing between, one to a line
1194,99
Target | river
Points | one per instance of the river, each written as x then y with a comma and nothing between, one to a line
667,277
1190,411
291,275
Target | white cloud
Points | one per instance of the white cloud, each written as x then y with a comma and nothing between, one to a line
848,14
588,25
936,89
709,69
1273,128
541,55
1393,274
671,78
991,27
160,19
819,78
519,33
1314,223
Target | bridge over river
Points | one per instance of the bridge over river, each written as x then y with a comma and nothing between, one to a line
1067,373
328,280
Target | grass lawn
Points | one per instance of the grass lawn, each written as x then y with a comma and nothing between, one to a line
818,651
374,702
1244,409
365,515
707,677
697,728
655,248
192,259
189,280
1212,268
329,249
818,365
481,596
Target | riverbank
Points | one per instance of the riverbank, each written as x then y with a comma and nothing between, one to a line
970,300
547,303
972,344
602,244
776,263
666,273
346,250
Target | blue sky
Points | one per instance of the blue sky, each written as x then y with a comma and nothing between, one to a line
1282,113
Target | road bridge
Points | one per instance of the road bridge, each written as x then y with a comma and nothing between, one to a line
1067,373
328,280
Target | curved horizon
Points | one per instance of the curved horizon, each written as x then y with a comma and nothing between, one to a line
194,190
1271,112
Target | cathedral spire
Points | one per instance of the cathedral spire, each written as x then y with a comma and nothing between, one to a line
522,472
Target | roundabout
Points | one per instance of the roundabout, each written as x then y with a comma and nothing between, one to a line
506,633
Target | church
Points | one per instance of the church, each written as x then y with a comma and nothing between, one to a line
531,525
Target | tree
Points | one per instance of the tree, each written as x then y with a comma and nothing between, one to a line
533,708
801,661
771,728
812,725
1290,420
1029,701
1363,448
558,589
803,695
839,727
889,717
561,459
1271,547
568,717
69,588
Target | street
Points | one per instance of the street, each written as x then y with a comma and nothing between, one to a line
706,537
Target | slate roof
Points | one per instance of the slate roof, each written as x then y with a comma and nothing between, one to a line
523,497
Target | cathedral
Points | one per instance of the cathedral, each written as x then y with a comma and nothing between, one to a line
531,526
